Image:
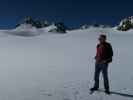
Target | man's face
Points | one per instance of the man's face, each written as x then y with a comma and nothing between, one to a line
102,39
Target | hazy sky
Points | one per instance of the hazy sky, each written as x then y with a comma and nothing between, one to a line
71,12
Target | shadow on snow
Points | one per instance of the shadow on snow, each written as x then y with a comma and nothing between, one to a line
118,93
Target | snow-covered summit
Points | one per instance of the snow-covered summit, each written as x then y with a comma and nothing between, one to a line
126,24
24,30
49,28
24,27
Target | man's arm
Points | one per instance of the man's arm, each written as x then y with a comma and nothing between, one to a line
110,54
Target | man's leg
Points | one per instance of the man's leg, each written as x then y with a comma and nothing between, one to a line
96,76
105,77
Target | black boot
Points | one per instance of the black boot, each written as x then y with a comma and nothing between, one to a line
107,92
94,89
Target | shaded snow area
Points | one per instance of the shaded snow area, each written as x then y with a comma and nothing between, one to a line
47,66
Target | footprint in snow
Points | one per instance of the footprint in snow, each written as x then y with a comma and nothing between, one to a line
66,99
46,93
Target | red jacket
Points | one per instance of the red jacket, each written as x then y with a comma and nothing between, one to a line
104,52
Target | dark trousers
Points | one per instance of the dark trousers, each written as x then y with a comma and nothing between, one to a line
104,69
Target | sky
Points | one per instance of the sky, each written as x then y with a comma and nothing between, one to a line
71,12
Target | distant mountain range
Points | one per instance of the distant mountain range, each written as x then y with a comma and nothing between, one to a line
55,27
125,25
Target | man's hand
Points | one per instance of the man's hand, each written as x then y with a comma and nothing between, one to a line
95,57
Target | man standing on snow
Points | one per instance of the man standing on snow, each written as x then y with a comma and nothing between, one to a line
103,58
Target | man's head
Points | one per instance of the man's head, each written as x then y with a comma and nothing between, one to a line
102,38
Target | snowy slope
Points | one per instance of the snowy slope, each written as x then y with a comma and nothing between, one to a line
27,30
51,27
61,67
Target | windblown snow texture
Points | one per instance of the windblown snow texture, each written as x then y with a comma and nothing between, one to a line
37,65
